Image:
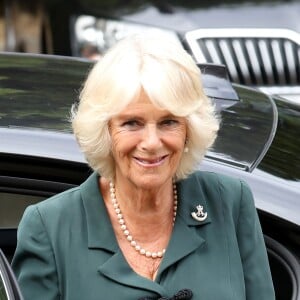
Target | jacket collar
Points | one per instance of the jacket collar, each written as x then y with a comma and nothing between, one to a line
99,228
184,239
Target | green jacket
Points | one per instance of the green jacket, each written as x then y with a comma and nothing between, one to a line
67,248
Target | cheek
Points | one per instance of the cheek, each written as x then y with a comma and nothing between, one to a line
177,139
122,143
116,143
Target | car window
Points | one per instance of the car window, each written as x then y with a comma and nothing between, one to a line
12,207
247,130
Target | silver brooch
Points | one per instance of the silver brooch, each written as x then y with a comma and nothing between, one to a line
199,215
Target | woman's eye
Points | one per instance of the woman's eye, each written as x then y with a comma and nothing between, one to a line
169,122
131,124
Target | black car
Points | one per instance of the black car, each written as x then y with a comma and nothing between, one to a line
39,157
258,40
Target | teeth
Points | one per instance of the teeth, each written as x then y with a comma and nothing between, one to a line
151,161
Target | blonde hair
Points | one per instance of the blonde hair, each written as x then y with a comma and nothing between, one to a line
171,80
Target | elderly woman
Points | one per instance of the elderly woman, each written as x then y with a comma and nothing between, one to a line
145,224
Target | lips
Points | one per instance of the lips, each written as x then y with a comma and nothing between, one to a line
151,162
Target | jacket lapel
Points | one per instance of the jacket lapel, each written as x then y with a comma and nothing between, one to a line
191,194
99,229
117,268
101,236
184,238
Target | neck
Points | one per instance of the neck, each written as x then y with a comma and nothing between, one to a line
147,212
145,202
125,228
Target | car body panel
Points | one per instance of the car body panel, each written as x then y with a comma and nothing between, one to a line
38,93
27,81
40,143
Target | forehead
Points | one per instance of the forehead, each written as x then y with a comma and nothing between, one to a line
142,105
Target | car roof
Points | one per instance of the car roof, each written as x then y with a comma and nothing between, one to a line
37,93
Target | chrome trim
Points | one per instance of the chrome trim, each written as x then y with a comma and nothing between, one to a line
290,61
277,90
4,277
271,136
278,58
289,93
254,56
243,63
254,61
5,285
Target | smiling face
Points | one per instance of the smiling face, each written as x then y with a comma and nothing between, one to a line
147,144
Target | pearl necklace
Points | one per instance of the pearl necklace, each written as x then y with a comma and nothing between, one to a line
129,238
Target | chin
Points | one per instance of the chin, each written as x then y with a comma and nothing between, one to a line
153,181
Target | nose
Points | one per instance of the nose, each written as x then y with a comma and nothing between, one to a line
151,140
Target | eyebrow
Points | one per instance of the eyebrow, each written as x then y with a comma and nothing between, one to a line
139,117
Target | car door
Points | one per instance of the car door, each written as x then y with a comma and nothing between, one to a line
9,289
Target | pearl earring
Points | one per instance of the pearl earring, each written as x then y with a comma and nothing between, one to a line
186,148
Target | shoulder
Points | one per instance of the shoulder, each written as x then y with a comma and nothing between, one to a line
227,187
232,189
219,190
212,180
51,212
66,207
70,199
55,207
60,201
